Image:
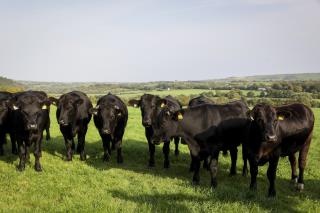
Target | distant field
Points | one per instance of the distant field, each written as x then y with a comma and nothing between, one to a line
137,93
95,186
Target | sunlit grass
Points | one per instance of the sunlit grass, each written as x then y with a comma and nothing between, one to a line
94,185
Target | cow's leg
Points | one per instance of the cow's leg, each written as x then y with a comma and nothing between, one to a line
22,156
81,143
196,176
176,143
37,154
191,169
271,173
48,137
152,148
73,146
253,173
206,163
293,163
106,147
166,150
14,149
2,142
27,153
302,162
245,159
69,150
118,146
234,155
214,169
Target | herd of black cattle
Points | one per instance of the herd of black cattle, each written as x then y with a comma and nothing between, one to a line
266,133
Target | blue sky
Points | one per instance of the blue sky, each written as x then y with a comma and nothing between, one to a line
150,40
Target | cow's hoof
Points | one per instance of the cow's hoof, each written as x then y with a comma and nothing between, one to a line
20,168
300,187
151,164
195,182
176,152
166,165
38,168
83,157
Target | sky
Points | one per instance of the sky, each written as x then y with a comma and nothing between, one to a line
155,40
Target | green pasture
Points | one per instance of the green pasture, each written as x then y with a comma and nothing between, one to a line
97,186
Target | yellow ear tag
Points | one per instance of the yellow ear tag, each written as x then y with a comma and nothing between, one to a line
44,107
280,118
162,105
180,117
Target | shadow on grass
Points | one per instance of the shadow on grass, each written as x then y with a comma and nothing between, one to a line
230,189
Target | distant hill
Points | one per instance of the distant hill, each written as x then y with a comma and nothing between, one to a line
7,82
276,77
10,85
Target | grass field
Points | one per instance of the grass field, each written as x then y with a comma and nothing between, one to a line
95,186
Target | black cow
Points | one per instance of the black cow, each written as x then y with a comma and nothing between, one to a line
43,96
110,118
199,100
73,116
207,129
28,124
149,111
5,121
277,132
192,103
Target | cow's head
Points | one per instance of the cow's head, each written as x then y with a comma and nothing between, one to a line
4,110
67,107
165,125
108,115
30,109
148,106
265,120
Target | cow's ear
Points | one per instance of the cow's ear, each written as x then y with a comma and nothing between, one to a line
178,115
94,111
134,103
250,115
45,104
162,103
54,101
282,115
13,105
